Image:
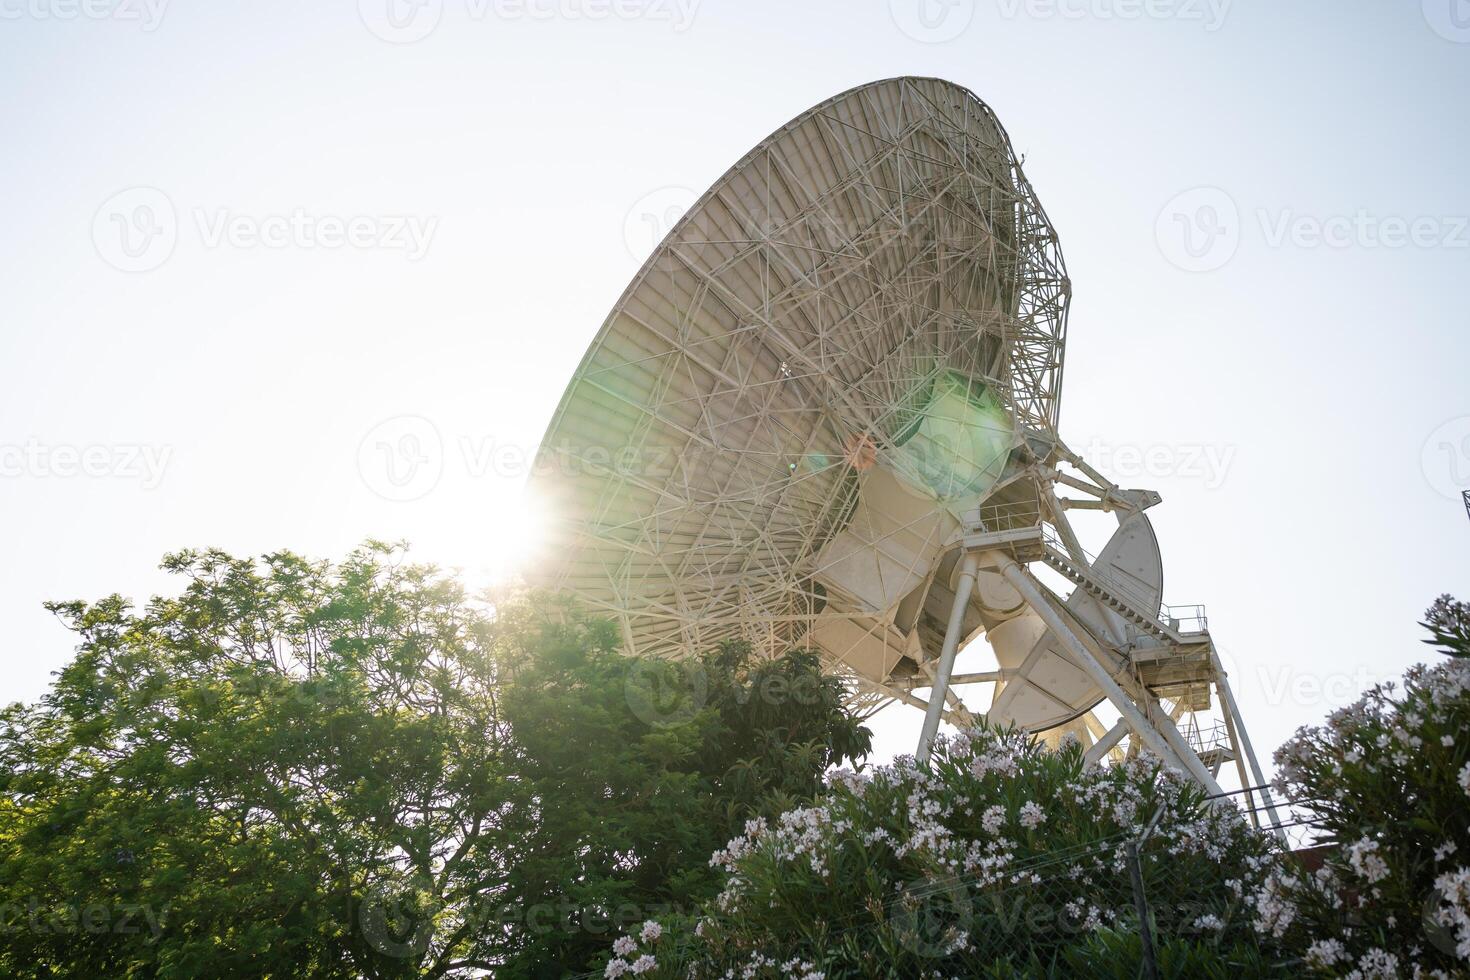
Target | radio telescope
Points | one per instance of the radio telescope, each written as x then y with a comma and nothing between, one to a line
824,415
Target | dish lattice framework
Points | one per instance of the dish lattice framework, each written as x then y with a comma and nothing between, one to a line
704,451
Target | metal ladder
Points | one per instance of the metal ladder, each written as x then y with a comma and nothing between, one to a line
1105,593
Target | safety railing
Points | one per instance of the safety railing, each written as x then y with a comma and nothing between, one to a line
1185,619
992,518
1205,738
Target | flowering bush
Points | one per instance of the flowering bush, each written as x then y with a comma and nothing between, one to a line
1001,856
1388,779
1448,623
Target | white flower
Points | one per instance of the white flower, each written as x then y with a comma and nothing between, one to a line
644,963
993,819
615,968
856,783
1325,952
996,760
1447,740
1454,907
1465,778
624,946
802,970
1377,964
651,931
1274,908
1032,816
1366,862
1209,922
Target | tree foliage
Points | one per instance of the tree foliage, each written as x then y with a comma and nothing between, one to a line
295,768
644,767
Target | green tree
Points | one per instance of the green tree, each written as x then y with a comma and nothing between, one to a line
298,768
642,768
283,771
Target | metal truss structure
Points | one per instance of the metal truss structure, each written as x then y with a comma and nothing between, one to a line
824,414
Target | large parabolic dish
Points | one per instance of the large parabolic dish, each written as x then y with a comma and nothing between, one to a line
872,295
824,414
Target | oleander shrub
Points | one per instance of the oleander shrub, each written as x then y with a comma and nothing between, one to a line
1388,782
1001,857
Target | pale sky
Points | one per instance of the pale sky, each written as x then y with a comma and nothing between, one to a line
247,243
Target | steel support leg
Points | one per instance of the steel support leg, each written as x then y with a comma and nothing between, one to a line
1239,752
1104,745
969,565
1155,736
1250,753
